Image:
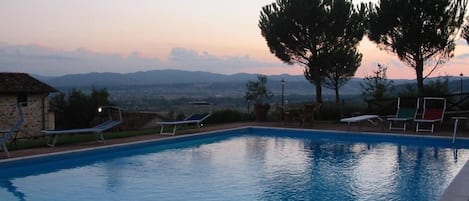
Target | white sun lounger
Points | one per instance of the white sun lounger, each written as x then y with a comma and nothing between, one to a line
194,118
361,118
98,129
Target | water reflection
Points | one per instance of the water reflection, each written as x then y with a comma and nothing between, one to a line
354,171
10,187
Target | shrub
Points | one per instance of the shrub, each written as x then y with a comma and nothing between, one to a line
330,111
228,116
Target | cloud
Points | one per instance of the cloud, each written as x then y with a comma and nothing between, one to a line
462,56
45,61
461,41
52,62
186,59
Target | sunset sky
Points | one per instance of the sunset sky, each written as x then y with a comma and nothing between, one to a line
53,37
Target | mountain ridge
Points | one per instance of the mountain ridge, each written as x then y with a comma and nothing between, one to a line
167,76
182,82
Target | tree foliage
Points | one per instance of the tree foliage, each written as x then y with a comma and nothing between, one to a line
342,62
377,86
77,109
303,31
420,32
257,91
465,32
437,87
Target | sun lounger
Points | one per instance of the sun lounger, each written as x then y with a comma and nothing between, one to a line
361,118
433,112
7,133
195,118
404,114
97,130
191,119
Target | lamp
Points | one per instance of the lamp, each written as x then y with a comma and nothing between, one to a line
102,108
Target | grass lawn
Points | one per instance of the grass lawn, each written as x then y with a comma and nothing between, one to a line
67,139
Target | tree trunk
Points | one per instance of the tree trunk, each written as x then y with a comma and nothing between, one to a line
419,72
317,71
317,82
337,98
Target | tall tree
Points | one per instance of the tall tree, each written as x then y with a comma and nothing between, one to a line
342,62
301,31
420,32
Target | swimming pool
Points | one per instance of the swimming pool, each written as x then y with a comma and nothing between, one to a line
244,164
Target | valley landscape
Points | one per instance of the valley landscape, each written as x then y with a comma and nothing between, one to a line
162,90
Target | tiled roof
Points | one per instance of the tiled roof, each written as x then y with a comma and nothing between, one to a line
22,83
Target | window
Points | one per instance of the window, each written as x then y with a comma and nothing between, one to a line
22,98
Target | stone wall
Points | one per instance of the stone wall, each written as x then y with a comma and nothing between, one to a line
36,114
8,112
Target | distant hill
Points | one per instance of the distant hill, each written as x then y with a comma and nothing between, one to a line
203,83
166,90
153,77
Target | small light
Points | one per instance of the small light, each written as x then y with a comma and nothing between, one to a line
100,109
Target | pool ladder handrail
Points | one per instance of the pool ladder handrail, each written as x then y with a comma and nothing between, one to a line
455,129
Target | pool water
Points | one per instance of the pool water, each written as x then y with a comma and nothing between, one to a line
245,164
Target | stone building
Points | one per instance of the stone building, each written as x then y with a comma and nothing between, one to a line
34,94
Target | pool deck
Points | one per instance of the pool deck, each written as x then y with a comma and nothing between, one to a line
457,191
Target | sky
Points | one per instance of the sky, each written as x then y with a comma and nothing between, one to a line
54,37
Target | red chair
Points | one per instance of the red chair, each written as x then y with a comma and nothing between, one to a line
433,112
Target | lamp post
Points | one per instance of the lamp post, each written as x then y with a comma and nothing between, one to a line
461,75
282,82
